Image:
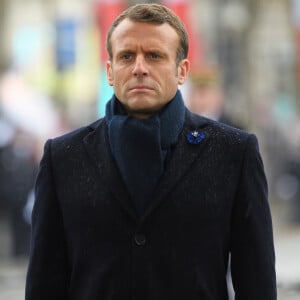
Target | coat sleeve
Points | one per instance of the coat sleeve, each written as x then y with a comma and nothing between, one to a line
252,245
48,275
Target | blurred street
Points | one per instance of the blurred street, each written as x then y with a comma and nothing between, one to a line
287,243
12,271
287,247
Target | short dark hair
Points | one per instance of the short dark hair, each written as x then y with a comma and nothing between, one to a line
156,14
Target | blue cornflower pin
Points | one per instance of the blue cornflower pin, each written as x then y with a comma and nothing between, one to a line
195,137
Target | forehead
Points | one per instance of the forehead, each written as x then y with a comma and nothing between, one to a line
141,33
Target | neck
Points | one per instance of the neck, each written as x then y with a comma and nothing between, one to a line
141,116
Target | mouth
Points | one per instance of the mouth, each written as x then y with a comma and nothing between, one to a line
141,88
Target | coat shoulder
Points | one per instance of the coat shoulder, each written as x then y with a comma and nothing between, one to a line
73,139
217,131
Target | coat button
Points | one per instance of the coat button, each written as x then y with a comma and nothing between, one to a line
140,239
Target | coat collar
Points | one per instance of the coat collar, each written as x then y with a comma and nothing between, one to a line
182,158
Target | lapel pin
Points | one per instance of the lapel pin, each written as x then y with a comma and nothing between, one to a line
195,137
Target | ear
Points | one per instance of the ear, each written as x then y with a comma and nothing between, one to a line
183,70
109,73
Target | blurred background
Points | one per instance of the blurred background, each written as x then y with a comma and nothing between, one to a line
245,58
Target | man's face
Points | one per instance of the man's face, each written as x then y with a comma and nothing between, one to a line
143,69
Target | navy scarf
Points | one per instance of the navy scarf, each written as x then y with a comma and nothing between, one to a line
140,146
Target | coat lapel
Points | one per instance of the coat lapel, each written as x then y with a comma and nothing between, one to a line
182,158
97,146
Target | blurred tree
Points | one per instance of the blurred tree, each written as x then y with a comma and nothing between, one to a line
3,58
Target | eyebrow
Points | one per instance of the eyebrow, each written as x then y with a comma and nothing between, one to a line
123,51
153,50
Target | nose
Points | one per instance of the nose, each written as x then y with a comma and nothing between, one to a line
140,68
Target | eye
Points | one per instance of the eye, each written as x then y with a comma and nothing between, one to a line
126,56
154,56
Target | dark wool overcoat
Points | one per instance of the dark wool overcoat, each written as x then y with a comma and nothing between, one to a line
88,244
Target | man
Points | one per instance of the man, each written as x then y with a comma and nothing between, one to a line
148,202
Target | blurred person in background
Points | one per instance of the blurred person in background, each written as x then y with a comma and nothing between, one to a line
149,201
288,182
18,166
206,96
6,136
